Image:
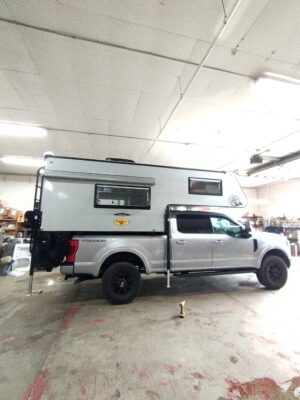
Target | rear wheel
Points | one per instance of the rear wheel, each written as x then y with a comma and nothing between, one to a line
273,272
121,282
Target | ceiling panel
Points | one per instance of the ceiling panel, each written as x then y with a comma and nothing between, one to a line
189,156
73,85
139,127
248,64
105,103
150,105
289,144
9,95
198,22
221,88
270,29
124,23
133,149
14,55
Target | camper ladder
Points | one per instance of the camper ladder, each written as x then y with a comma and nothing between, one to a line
36,223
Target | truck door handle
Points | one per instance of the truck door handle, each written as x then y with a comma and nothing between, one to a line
218,241
181,241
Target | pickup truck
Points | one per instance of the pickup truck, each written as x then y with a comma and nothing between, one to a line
196,242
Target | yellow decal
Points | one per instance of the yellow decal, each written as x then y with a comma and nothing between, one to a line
121,221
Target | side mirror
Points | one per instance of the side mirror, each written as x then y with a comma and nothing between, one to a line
246,232
247,226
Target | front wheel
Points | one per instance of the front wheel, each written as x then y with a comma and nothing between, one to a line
121,282
273,272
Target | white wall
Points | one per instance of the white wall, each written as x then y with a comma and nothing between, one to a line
252,207
17,191
279,199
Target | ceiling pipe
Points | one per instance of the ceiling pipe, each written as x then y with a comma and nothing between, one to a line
196,73
275,163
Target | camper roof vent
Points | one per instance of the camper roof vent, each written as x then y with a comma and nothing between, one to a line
120,160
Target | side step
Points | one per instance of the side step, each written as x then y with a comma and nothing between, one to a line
210,272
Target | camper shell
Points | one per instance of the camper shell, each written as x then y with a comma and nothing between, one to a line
79,195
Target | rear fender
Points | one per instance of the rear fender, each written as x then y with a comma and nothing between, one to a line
136,252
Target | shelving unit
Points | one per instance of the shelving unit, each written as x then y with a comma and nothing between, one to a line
257,222
11,226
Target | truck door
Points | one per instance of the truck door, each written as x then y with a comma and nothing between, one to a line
191,242
229,247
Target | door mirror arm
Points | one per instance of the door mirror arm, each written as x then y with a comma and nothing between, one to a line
245,233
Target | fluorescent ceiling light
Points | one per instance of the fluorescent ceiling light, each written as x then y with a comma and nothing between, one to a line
21,130
23,161
277,83
278,94
282,78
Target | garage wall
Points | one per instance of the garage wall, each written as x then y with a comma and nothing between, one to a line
279,199
252,207
17,191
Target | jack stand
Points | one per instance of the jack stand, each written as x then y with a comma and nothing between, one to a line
30,292
168,279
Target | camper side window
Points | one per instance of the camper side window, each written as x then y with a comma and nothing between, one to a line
115,196
210,187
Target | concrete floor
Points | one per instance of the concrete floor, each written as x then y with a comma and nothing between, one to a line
238,340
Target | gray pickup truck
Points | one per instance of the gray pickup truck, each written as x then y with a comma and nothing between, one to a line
196,242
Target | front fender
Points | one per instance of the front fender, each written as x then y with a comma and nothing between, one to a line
275,251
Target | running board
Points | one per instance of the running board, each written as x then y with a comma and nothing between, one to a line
210,272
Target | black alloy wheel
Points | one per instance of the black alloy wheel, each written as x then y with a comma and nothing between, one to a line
273,272
121,282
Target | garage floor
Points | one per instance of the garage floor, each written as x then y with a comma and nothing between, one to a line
238,341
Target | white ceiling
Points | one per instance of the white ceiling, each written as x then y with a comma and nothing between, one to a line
103,77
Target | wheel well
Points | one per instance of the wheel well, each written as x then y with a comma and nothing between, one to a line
123,256
278,253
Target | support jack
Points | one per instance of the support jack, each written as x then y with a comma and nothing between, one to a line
168,279
31,292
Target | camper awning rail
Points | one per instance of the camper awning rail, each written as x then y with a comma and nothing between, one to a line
101,178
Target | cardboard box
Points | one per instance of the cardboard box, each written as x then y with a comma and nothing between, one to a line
3,212
12,213
21,217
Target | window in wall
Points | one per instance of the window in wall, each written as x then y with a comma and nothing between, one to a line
193,223
210,187
115,196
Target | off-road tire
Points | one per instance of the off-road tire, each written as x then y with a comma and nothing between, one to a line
273,272
121,282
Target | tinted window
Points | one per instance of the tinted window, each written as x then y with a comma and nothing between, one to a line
211,187
114,196
223,225
192,223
